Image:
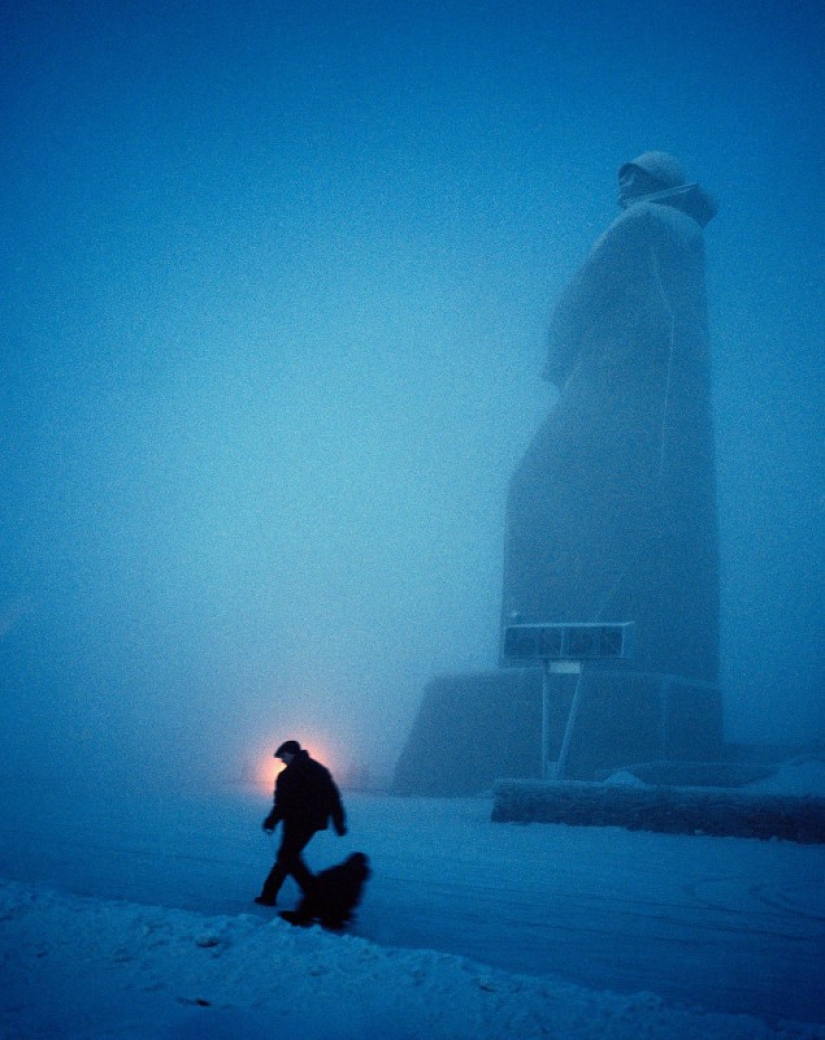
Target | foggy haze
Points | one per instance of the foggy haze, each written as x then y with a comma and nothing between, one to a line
275,289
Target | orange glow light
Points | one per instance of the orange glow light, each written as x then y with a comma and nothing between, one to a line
268,767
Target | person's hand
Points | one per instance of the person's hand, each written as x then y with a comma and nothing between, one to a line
268,825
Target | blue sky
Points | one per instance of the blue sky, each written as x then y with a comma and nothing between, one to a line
275,284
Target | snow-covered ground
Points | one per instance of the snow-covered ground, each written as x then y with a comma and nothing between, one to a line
131,916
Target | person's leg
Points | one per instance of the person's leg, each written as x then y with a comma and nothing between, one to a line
272,885
309,908
301,872
288,861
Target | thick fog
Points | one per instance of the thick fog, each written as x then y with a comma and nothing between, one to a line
276,280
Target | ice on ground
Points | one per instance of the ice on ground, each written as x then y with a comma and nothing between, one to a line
84,968
737,924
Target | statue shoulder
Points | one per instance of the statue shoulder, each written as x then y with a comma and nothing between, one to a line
647,225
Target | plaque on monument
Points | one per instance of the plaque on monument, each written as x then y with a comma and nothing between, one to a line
555,642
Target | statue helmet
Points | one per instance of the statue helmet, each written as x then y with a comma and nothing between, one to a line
664,168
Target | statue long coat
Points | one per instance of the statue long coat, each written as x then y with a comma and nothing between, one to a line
612,511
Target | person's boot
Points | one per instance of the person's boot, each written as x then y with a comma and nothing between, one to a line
295,917
272,885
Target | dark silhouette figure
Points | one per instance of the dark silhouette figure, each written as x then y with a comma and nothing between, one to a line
612,511
611,517
306,798
333,895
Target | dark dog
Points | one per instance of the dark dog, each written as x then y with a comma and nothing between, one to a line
333,895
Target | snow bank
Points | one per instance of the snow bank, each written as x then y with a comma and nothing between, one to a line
82,968
788,805
804,775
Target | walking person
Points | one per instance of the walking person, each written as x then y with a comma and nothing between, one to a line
306,798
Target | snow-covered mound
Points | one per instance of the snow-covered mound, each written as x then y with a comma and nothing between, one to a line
786,804
804,776
81,968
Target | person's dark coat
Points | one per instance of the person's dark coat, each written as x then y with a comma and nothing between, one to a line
333,895
306,798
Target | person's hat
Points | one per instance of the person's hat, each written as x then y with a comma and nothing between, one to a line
289,747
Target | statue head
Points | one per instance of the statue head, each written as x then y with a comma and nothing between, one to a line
649,173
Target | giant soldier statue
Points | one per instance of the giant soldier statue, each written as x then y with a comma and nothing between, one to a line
611,517
612,511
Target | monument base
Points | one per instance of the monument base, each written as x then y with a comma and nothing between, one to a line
473,729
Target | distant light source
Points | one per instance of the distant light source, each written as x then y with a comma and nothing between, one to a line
271,767
566,642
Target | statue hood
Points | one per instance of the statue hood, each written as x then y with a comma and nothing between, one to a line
670,188
664,168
